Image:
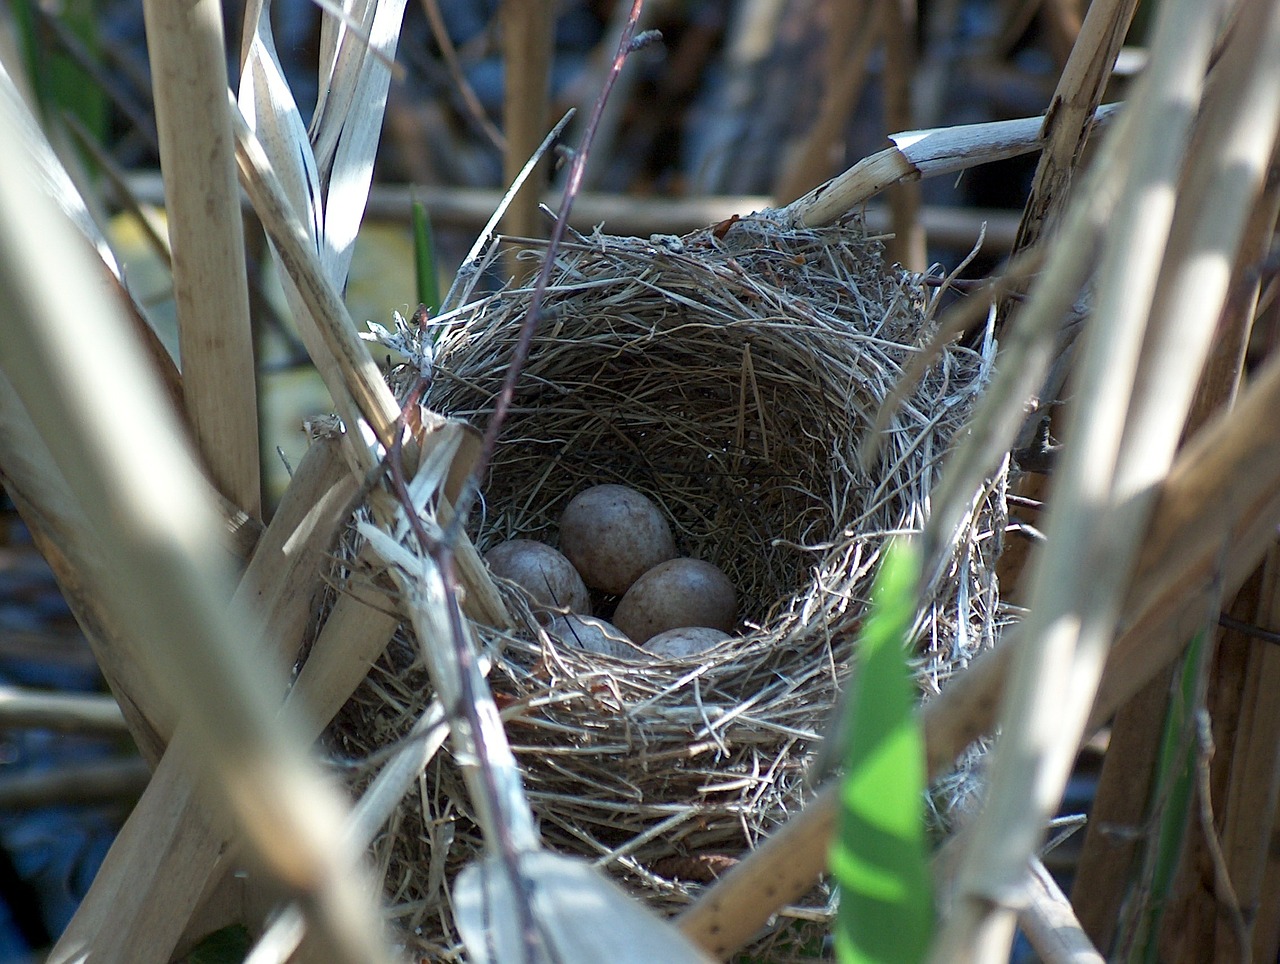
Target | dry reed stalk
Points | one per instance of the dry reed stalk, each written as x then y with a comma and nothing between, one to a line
918,154
1118,446
57,525
96,782
154,873
1205,917
189,77
156,525
527,41
1124,787
1070,117
1028,349
1199,895
469,208
1215,518
355,632
60,531
63,712
908,246
855,32
173,841
1050,924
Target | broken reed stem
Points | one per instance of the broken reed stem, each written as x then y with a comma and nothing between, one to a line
916,155
1071,115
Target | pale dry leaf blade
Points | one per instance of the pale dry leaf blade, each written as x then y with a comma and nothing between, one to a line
341,56
56,181
582,916
357,143
267,103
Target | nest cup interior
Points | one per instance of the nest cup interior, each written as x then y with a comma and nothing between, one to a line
715,422
736,412
730,378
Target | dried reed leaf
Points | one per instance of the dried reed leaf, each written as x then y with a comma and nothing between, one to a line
582,916
267,103
348,123
357,387
188,67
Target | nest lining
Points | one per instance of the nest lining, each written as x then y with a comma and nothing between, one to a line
730,379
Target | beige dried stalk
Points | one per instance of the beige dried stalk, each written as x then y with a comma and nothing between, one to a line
1218,235
148,508
1101,501
173,842
1069,119
189,77
527,40
908,245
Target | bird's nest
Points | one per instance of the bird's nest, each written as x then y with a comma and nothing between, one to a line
730,376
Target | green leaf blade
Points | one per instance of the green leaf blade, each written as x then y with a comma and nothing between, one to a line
424,259
880,857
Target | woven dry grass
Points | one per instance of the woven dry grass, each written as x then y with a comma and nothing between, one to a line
730,379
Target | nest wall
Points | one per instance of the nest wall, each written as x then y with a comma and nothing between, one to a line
731,377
